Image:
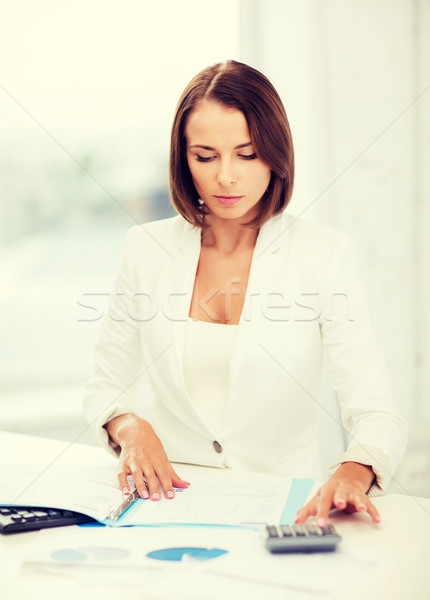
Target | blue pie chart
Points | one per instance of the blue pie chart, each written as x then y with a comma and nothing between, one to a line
184,553
89,554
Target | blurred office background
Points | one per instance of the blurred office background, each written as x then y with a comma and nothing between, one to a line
87,95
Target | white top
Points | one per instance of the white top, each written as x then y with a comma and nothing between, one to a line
207,353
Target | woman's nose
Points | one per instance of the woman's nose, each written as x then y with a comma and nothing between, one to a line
226,176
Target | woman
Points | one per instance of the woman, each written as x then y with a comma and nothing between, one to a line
225,309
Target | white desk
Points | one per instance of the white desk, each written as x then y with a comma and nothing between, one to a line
404,533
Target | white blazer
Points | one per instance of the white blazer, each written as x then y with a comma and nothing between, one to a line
303,293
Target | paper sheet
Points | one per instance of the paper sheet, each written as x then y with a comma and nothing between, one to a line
122,557
129,546
220,497
86,558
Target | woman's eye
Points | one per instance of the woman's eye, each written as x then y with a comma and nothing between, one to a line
206,159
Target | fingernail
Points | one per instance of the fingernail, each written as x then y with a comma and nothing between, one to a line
340,503
145,494
169,494
296,521
361,507
377,519
155,496
125,491
321,522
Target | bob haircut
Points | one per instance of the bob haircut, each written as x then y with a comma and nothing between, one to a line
235,85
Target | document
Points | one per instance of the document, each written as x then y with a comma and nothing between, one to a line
135,563
219,497
215,496
131,547
230,557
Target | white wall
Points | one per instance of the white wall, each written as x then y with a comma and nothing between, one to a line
350,75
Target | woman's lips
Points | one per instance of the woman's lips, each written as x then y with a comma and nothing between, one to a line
228,200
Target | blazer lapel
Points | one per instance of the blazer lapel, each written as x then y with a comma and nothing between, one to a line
184,268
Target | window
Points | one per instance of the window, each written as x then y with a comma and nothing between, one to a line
85,113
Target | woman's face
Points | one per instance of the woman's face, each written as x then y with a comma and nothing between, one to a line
229,177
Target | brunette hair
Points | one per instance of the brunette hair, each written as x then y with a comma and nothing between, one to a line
235,85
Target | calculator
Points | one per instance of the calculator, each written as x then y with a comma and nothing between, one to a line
300,538
17,519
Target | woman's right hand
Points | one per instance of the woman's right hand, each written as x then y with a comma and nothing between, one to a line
143,457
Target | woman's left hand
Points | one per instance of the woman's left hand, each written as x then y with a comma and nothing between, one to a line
345,490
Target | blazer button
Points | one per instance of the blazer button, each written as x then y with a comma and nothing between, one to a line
217,446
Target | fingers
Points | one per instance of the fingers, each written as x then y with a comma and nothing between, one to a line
339,499
354,501
170,480
165,478
166,484
123,483
180,483
373,513
148,481
145,481
337,494
139,481
176,480
324,505
152,483
308,510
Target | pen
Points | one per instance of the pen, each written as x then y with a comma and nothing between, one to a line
113,516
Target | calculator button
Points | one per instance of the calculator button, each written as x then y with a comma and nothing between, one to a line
272,531
327,530
299,530
313,530
286,531
17,518
5,511
26,514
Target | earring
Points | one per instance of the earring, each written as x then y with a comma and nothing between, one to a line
200,201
